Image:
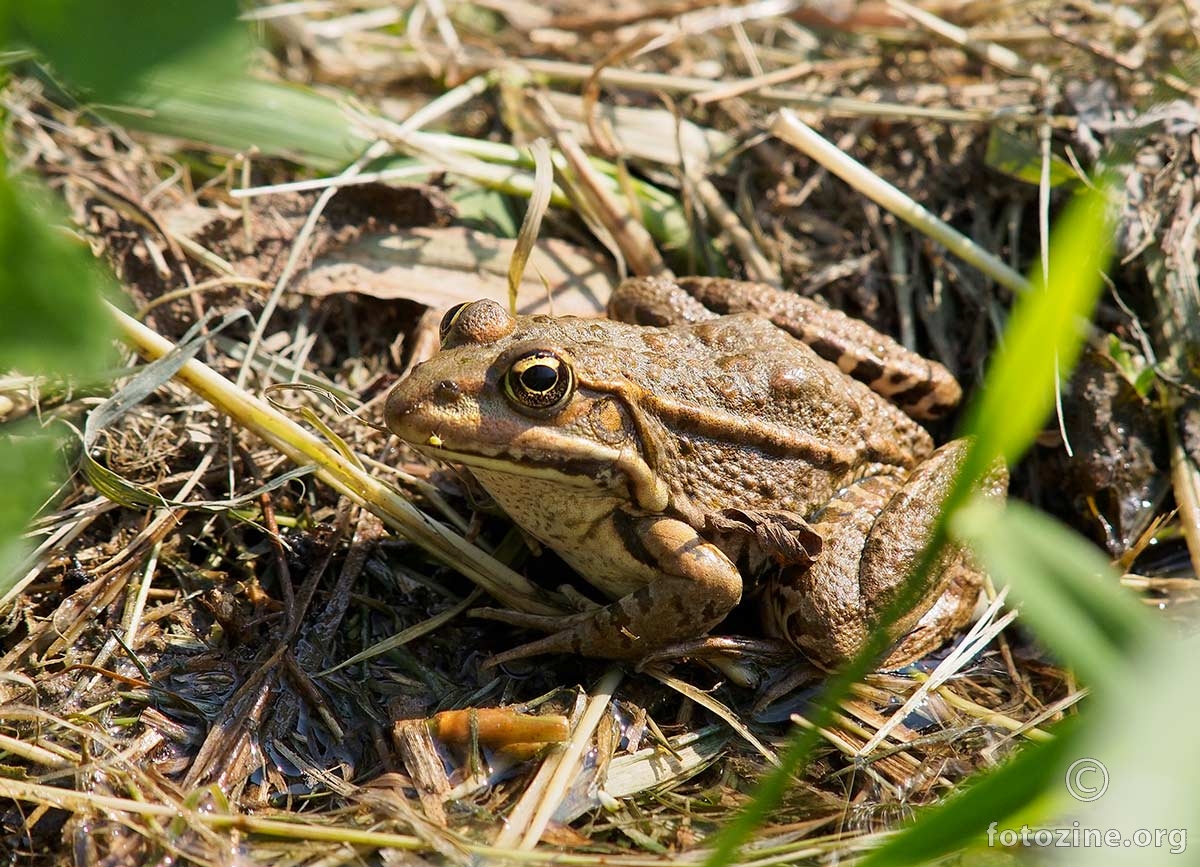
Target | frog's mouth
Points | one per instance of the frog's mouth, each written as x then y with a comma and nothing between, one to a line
452,426
595,471
453,423
604,469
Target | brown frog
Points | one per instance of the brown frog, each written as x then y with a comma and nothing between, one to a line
670,456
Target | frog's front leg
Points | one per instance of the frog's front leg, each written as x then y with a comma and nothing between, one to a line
874,532
696,586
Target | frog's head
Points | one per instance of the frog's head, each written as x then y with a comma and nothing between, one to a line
523,396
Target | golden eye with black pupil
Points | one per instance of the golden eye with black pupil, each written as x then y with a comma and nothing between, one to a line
539,380
450,318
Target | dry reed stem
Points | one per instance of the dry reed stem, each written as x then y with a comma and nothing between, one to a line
343,476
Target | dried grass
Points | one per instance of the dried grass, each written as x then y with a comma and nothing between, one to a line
166,666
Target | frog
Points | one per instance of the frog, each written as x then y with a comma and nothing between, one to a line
711,439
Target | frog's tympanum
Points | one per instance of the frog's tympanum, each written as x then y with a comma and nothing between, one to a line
723,433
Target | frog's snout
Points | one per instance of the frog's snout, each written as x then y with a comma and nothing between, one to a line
410,397
414,408
397,410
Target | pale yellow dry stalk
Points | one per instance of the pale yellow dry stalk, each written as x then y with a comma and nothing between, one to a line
341,474
788,127
531,225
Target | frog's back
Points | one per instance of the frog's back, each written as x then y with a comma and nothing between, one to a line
736,413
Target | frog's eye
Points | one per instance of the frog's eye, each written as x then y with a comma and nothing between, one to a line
450,318
539,380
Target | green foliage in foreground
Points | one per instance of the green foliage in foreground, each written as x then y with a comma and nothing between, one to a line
52,319
28,467
106,47
52,316
1138,724
1075,603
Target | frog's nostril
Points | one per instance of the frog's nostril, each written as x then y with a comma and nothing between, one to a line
446,391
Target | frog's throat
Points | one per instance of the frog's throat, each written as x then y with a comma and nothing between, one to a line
604,467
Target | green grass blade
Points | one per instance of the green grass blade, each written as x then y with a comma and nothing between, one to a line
1009,792
1019,155
293,122
771,788
1016,398
1064,586
278,119
1044,335
1071,596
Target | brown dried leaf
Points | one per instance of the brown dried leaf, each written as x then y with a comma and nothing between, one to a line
441,267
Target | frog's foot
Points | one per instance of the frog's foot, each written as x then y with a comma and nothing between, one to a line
697,586
785,537
874,534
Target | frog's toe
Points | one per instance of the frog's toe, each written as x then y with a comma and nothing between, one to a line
559,642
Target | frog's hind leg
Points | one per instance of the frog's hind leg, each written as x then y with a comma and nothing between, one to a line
920,387
951,612
874,534
696,586
818,607
896,543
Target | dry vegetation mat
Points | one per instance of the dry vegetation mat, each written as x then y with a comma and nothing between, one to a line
240,628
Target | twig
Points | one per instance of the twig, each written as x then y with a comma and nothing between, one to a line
798,134
997,55
333,468
1185,481
568,762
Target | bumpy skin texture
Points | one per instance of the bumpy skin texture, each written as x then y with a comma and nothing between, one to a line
922,388
675,459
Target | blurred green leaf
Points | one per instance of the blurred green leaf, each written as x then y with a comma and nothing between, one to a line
1063,585
1020,156
29,466
52,318
1044,336
1144,736
105,47
1144,381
